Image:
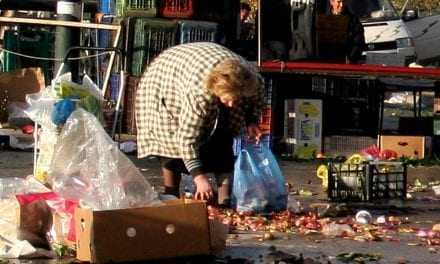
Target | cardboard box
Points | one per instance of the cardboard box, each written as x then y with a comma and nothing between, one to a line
303,127
408,146
15,85
178,228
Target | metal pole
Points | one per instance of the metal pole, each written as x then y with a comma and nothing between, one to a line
66,37
259,33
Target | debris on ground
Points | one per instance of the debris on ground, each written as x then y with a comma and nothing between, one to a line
355,257
382,228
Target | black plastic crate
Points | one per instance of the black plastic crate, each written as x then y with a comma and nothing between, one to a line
369,181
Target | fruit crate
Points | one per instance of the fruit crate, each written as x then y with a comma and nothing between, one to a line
194,31
366,182
177,8
345,145
265,122
148,38
138,8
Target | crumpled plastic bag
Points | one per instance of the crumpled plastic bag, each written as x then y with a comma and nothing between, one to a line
62,111
259,185
88,166
17,116
374,153
36,219
41,106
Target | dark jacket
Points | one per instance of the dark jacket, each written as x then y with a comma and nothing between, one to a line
355,43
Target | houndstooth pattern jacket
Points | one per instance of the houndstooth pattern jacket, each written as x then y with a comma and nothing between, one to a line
175,112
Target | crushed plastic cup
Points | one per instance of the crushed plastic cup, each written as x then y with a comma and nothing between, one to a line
381,219
363,217
436,190
128,146
337,230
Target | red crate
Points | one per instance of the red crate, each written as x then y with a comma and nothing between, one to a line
265,120
177,8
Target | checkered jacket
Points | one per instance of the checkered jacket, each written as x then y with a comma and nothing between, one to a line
175,113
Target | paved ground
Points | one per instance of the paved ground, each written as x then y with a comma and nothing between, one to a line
245,247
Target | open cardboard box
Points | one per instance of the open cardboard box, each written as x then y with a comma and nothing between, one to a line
176,229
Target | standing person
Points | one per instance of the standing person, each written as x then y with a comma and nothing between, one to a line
355,42
245,11
191,101
246,44
246,28
276,29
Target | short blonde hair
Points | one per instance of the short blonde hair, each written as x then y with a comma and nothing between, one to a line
232,78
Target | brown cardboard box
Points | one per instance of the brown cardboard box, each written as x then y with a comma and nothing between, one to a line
15,85
178,228
408,146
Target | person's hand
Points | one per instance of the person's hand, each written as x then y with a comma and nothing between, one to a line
204,188
98,17
254,132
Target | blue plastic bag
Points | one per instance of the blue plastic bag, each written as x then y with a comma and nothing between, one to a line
259,185
62,111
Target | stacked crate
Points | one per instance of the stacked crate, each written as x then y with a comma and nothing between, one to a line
177,8
151,27
193,31
151,37
33,42
136,8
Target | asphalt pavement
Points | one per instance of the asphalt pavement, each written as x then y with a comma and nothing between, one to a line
422,211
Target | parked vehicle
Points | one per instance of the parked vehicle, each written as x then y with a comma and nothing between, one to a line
426,35
386,34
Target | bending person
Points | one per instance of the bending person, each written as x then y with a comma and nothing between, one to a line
191,101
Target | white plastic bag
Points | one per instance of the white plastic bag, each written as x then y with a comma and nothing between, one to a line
88,166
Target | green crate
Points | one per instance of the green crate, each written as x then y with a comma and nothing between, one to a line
136,8
150,36
38,43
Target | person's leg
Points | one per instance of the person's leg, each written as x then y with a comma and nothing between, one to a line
171,182
171,173
224,188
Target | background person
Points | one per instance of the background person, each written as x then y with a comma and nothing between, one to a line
276,29
355,42
246,27
191,101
